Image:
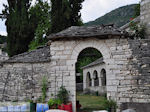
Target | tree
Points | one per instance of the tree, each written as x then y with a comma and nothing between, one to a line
75,6
17,24
137,10
41,24
56,16
65,13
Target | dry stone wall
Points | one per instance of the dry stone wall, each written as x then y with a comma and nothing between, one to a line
135,85
126,63
145,15
20,82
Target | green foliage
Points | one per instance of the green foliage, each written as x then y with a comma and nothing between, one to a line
44,88
17,26
137,10
60,15
41,13
95,102
119,16
52,102
26,24
75,16
2,39
110,104
137,30
63,95
65,13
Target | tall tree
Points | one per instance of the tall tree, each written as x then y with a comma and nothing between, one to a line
40,23
65,13
76,6
56,16
17,24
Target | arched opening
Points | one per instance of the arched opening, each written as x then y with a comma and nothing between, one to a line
103,77
87,77
85,57
96,81
88,80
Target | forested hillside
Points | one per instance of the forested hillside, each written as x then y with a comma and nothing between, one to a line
118,16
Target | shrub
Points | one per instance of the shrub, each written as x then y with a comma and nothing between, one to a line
137,30
63,95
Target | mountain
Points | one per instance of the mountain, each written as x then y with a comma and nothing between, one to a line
119,16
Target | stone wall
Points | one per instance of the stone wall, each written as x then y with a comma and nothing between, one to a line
20,82
126,61
145,15
134,85
115,53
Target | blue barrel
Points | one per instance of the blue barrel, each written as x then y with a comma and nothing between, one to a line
24,108
3,109
11,108
17,108
42,107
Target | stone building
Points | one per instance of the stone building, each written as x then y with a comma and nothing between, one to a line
127,66
94,77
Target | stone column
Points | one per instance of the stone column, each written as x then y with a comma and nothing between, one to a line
92,82
100,81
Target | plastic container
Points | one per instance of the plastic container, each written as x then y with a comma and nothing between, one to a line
10,108
68,107
3,109
42,107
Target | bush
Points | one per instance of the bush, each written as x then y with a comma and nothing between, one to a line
137,30
54,102
110,104
63,95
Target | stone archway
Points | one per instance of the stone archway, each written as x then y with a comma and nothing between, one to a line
65,54
100,45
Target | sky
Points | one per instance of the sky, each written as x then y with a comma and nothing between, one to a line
92,9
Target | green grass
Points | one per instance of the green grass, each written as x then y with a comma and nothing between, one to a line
91,102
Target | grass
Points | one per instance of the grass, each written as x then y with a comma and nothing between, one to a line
91,102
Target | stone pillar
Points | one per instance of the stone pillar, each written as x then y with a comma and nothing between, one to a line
92,82
100,81
145,16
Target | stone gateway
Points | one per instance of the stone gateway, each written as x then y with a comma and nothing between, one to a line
126,64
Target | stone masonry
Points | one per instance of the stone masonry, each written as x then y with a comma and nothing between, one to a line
145,15
89,77
126,63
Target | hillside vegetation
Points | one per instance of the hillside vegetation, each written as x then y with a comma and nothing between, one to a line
119,16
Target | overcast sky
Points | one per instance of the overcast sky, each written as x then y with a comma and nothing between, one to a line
92,9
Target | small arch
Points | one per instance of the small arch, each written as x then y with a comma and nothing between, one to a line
103,77
95,75
88,80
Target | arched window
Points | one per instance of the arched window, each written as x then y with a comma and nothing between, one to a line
88,80
96,81
103,77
